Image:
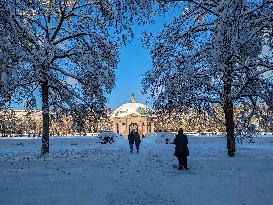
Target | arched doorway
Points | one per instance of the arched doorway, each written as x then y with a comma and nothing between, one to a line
133,126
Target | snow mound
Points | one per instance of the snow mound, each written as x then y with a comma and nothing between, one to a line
160,137
110,137
165,137
150,138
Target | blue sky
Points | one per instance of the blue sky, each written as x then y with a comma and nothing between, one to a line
134,62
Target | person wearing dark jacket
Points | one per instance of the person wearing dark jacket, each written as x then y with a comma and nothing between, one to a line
137,141
181,149
131,139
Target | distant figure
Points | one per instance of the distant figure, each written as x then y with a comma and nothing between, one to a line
181,149
134,138
137,141
131,139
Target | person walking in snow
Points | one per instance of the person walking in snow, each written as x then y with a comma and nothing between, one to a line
131,139
181,149
137,141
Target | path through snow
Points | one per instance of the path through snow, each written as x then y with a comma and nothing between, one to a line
79,171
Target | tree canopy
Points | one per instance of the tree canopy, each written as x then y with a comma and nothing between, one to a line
213,53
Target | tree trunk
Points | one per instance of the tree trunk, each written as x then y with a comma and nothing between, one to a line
229,111
229,123
45,111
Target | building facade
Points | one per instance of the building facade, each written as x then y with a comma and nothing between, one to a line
133,116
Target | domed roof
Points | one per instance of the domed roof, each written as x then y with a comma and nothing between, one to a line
132,108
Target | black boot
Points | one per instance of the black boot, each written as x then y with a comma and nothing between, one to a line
180,167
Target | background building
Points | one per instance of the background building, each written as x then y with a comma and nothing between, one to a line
133,115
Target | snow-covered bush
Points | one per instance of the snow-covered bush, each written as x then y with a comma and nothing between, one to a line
109,137
165,137
246,133
150,138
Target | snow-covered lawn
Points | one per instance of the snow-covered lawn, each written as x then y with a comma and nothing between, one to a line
80,171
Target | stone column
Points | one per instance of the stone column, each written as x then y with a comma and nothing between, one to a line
114,126
152,126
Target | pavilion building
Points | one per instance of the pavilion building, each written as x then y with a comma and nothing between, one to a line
135,116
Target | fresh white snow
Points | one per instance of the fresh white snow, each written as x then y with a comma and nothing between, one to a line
81,171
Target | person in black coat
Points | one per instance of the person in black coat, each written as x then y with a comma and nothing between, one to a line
134,138
181,149
131,139
137,141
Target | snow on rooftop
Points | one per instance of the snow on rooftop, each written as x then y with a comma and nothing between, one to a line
132,108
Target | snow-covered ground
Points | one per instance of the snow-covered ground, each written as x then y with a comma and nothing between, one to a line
81,171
